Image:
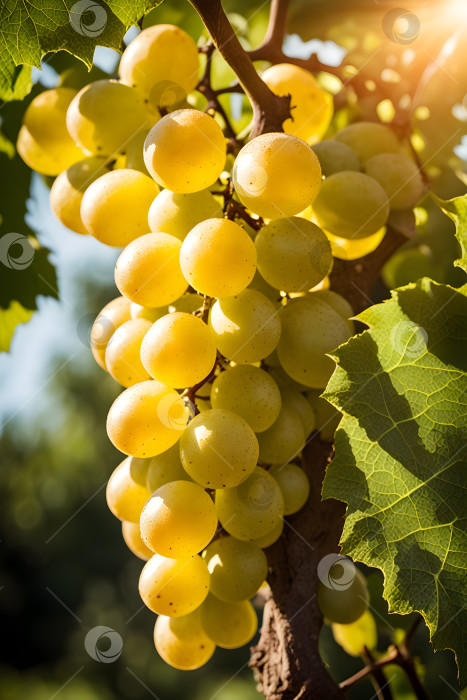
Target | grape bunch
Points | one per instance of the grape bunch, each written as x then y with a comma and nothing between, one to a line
222,333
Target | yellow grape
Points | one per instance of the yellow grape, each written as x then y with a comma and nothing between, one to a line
368,139
283,380
115,207
134,153
132,536
310,330
246,327
335,156
294,484
108,320
327,417
293,254
218,449
164,468
126,489
253,508
354,248
351,205
174,587
147,312
122,355
295,399
106,115
354,636
270,537
276,175
179,350
237,568
182,642
284,439
146,419
399,177
162,62
250,392
338,303
177,214
43,141
179,520
185,151
343,602
311,106
218,258
188,303
148,271
68,189
260,285
229,625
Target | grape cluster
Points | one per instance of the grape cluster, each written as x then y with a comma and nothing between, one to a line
223,331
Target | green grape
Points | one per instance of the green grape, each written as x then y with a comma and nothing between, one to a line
135,154
148,270
108,320
174,587
187,303
68,189
368,139
399,177
327,417
162,62
164,468
335,156
185,151
270,537
356,635
338,303
146,312
122,354
294,484
293,254
43,141
132,537
312,107
300,403
276,175
218,449
146,419
182,642
229,625
283,380
310,329
218,258
343,603
284,439
179,350
114,207
106,115
253,508
246,327
177,214
178,520
237,568
250,392
259,284
126,489
351,205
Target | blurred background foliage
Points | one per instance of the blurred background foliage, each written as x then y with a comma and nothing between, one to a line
65,568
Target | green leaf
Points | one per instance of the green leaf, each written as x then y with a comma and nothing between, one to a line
30,30
456,209
400,454
9,319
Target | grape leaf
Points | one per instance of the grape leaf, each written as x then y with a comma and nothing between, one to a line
9,319
400,454
30,30
456,209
